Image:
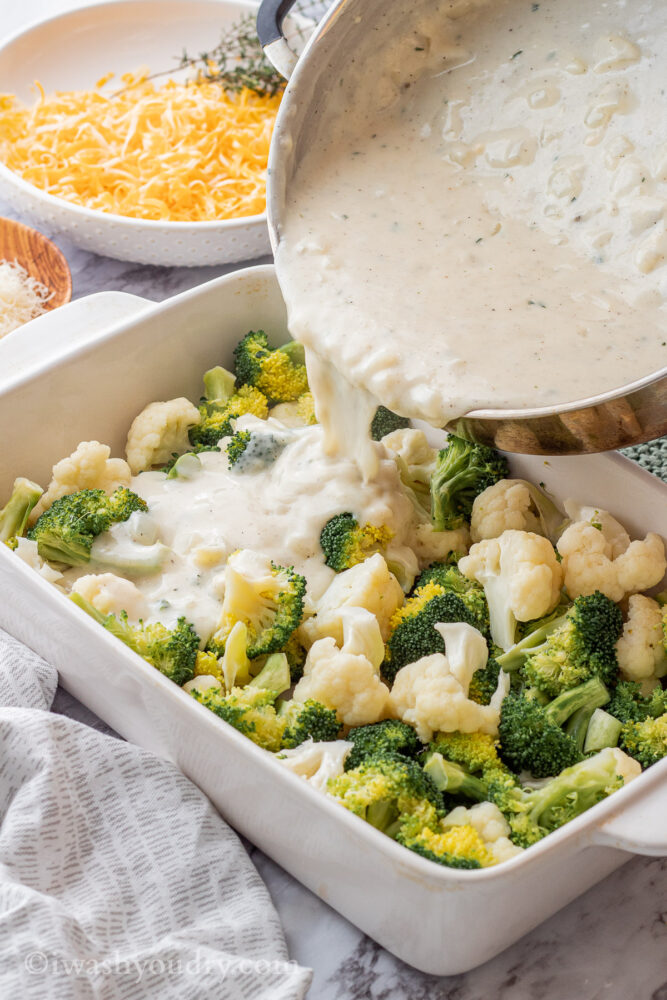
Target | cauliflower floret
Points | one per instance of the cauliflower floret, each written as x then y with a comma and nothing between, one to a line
111,594
613,530
626,767
641,650
432,693
412,447
26,550
367,585
435,546
491,825
159,431
87,468
347,679
589,563
508,505
317,763
521,578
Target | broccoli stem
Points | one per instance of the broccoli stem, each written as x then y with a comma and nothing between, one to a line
294,351
135,560
577,725
185,467
603,731
219,384
14,515
592,694
517,654
453,778
274,675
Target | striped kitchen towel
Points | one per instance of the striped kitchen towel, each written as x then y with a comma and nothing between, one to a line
118,880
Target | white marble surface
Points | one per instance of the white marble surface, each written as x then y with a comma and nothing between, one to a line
611,944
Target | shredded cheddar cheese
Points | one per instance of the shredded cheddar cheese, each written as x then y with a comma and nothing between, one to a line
186,152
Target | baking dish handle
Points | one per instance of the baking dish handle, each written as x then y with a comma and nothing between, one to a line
270,18
641,827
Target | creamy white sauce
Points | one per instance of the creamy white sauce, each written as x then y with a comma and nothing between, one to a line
278,512
495,234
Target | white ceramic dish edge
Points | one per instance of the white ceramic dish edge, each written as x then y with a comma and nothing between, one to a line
464,918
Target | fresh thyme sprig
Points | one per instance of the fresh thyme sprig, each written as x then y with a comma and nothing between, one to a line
237,61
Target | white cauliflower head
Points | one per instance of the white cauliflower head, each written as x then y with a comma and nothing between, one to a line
514,505
521,577
160,430
26,550
87,468
111,594
368,585
598,555
347,679
641,647
432,693
435,546
317,763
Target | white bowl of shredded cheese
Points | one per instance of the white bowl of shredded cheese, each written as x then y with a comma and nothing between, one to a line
181,157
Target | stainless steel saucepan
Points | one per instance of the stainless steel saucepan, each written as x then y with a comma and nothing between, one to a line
627,415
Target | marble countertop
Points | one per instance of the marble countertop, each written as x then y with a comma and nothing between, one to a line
610,944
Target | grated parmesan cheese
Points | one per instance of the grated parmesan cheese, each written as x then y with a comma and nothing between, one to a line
22,297
181,151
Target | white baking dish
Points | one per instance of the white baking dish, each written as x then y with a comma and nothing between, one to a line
440,920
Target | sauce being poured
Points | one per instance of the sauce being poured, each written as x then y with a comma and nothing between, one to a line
484,225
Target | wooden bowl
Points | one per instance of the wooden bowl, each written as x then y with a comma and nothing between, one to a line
39,256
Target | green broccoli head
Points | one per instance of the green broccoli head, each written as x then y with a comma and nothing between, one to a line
218,416
310,720
484,682
271,607
389,791
250,710
412,627
646,740
14,515
477,752
533,813
448,576
531,734
378,738
171,651
463,470
279,374
453,846
579,646
66,531
345,542
250,452
385,422
628,704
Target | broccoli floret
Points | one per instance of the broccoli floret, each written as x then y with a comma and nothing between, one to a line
14,515
310,720
171,651
217,416
474,751
484,682
296,654
646,741
271,616
280,374
250,710
628,704
66,531
345,542
531,734
533,813
391,792
385,422
412,633
448,576
454,846
305,409
531,635
462,471
390,736
579,646
251,452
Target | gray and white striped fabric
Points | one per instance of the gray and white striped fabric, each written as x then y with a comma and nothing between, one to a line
118,880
